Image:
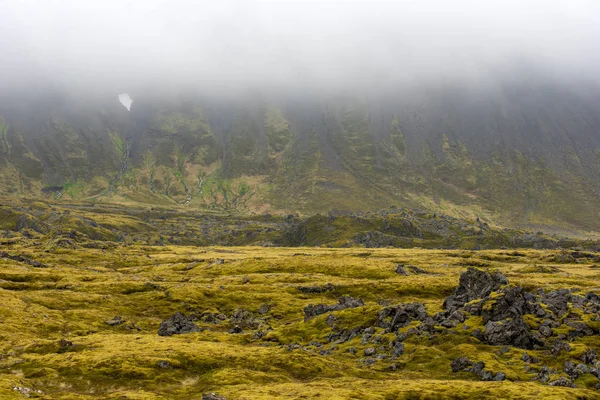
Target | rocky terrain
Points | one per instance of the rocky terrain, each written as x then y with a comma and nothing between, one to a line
81,225
138,321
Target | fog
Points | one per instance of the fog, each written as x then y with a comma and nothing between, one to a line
124,45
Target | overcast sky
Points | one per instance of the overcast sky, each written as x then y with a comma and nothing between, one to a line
303,42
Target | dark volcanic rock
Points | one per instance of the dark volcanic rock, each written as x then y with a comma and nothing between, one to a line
25,260
557,301
571,370
500,376
461,364
398,349
212,396
544,374
562,381
264,309
589,356
400,270
344,302
545,330
559,345
398,316
118,320
511,331
511,303
579,329
177,324
529,359
236,329
244,319
474,284
317,289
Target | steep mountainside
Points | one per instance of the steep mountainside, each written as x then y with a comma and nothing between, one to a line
522,154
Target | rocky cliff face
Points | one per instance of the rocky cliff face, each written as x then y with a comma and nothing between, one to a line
517,153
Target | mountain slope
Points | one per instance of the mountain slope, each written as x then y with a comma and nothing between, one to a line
522,154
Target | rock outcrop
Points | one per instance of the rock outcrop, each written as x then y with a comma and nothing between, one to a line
177,324
344,302
472,285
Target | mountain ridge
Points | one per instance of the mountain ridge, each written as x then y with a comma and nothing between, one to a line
518,156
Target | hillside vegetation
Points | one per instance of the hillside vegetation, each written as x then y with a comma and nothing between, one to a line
533,166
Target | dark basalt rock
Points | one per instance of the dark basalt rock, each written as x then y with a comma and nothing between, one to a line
399,316
317,289
213,318
21,259
579,329
511,331
344,302
562,381
212,396
398,349
236,329
529,359
545,330
344,336
557,301
474,284
559,345
265,308
330,321
589,356
513,302
464,364
461,364
400,270
477,334
177,324
544,374
571,370
244,319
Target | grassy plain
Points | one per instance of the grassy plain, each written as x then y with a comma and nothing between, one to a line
54,336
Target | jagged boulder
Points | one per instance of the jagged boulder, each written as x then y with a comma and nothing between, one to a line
557,301
398,316
344,302
317,289
474,284
177,324
589,356
461,364
401,270
511,302
510,331
245,319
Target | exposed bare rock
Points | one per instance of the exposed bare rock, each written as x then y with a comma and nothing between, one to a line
344,302
474,284
317,289
177,324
